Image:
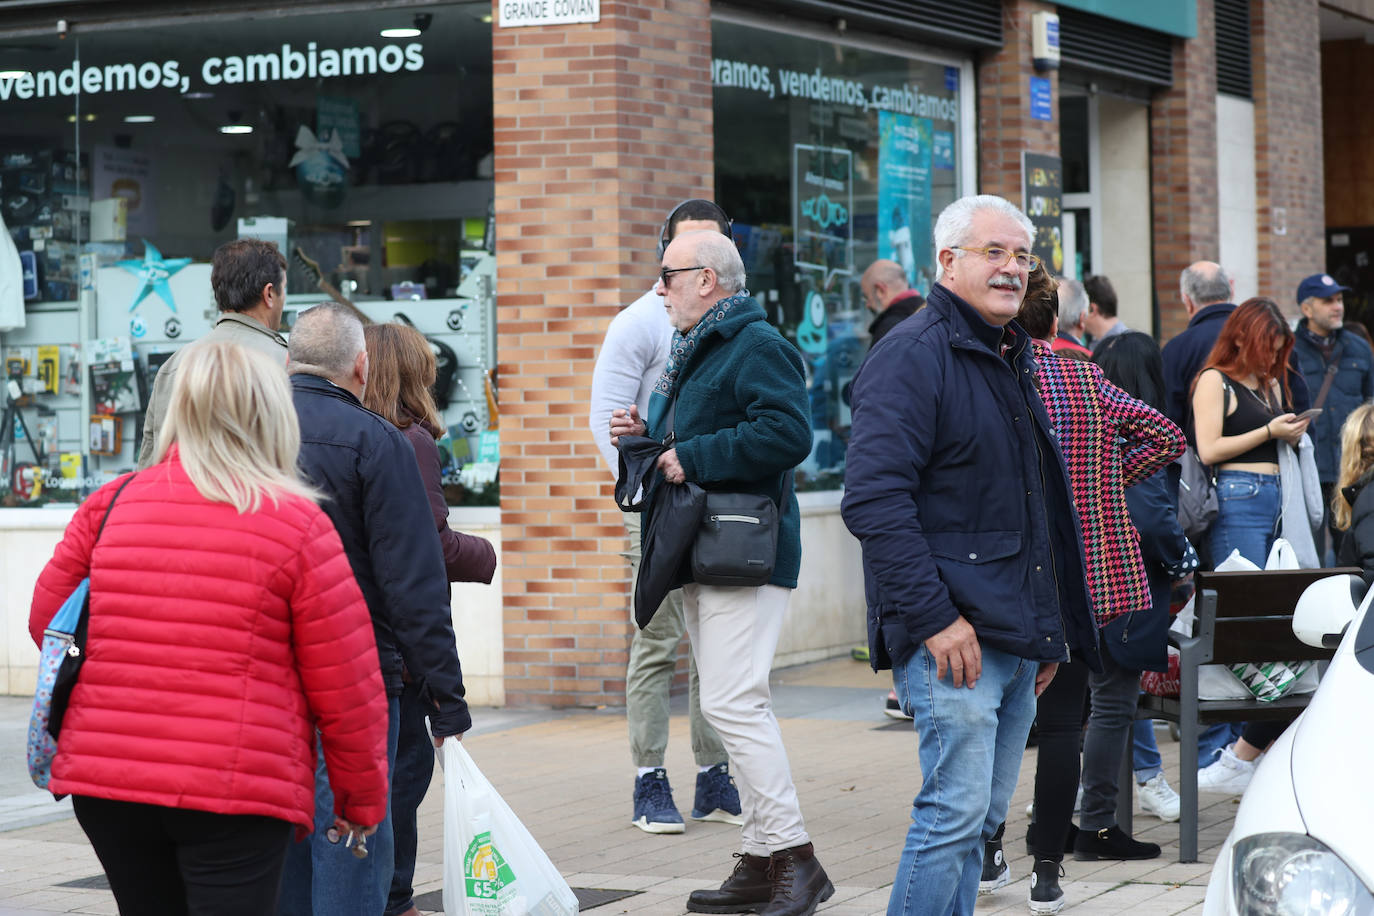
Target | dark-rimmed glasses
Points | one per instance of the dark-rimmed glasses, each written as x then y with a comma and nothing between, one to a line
667,272
999,256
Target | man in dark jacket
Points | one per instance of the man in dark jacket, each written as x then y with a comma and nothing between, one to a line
887,295
1207,291
739,423
973,565
377,502
1324,348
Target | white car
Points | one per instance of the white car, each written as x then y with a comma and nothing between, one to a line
1303,838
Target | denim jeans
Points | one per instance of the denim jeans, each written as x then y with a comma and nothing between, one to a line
410,779
1145,759
1249,506
326,879
971,744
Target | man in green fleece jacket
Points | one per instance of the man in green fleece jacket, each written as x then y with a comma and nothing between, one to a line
739,423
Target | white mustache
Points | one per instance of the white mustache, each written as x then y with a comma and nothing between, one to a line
1005,281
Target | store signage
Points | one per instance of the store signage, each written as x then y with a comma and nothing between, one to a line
906,147
288,63
817,86
823,205
548,12
1041,99
1043,192
153,272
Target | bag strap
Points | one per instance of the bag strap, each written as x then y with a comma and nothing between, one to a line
1331,369
79,633
789,475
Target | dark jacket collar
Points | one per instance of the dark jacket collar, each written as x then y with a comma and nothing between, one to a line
1321,343
966,322
304,382
1206,313
903,305
1352,492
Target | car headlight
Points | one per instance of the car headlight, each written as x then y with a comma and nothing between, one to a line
1291,874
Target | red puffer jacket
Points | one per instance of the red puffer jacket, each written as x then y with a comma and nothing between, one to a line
217,643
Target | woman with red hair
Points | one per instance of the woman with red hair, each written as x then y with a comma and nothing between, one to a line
1241,407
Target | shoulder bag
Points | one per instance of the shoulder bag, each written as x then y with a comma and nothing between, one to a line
1197,485
59,663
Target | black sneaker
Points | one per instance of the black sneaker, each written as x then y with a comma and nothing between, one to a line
996,872
1111,843
1045,896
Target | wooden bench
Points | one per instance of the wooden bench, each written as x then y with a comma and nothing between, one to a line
1241,617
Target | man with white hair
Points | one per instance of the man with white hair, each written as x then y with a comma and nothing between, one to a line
1073,306
733,398
377,502
973,565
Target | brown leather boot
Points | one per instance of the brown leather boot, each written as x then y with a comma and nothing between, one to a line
747,890
799,883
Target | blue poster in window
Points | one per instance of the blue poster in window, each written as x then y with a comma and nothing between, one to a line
905,149
1041,101
942,150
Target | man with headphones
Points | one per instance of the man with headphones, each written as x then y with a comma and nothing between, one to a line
632,358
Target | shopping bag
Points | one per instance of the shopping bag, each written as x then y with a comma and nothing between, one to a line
492,866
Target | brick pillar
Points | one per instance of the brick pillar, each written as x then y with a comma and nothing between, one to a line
599,129
1183,168
1005,127
1285,48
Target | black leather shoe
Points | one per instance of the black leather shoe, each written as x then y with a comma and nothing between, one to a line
799,883
747,890
1111,843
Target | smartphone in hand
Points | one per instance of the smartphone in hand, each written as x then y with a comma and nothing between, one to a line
1309,414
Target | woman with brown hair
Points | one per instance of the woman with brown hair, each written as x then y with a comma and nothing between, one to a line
401,372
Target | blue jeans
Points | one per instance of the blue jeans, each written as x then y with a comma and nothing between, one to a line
410,780
1249,507
326,879
1145,759
971,744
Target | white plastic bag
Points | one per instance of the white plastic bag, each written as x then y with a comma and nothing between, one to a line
492,866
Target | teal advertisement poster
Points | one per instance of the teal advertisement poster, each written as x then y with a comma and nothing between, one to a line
904,161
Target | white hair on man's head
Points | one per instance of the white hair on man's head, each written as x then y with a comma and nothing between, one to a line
325,341
1073,302
956,222
715,251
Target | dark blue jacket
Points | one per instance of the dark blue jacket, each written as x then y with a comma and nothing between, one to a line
377,502
958,493
1139,639
740,421
1352,386
1183,359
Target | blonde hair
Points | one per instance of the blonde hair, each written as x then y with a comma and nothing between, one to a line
231,417
1357,457
401,370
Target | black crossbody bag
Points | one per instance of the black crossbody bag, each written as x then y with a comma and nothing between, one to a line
737,540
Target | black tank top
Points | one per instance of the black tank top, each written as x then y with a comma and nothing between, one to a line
1252,412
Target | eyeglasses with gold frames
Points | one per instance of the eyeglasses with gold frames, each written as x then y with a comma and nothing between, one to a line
999,256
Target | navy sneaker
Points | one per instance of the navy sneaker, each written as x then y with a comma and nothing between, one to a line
654,808
717,798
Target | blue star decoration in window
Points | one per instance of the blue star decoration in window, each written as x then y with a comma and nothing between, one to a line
153,271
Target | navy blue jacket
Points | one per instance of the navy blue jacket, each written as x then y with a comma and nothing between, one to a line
1352,386
377,502
1183,359
957,491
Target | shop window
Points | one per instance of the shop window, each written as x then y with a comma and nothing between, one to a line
828,156
128,157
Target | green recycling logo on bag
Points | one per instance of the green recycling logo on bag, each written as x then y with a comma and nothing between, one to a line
488,880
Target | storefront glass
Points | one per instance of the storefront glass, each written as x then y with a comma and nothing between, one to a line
829,155
127,157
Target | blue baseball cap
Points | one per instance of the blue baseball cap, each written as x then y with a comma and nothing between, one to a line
1319,286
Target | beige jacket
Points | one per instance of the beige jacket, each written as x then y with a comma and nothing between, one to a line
232,326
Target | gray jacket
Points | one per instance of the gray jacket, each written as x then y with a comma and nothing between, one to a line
1302,500
234,327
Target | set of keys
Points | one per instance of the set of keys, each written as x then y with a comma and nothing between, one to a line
356,834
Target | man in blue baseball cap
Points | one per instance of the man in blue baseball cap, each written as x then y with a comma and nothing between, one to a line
1338,368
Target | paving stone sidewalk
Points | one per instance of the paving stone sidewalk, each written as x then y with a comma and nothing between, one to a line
568,776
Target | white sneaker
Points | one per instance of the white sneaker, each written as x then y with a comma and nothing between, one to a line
1077,804
1157,798
1227,775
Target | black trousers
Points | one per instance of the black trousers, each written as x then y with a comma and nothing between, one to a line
1059,719
178,862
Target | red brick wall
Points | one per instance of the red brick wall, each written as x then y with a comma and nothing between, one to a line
1005,127
1285,45
599,130
1183,169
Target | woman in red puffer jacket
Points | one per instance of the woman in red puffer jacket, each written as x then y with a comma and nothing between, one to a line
225,627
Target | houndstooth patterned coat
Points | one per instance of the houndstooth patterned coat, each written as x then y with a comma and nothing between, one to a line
1110,441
